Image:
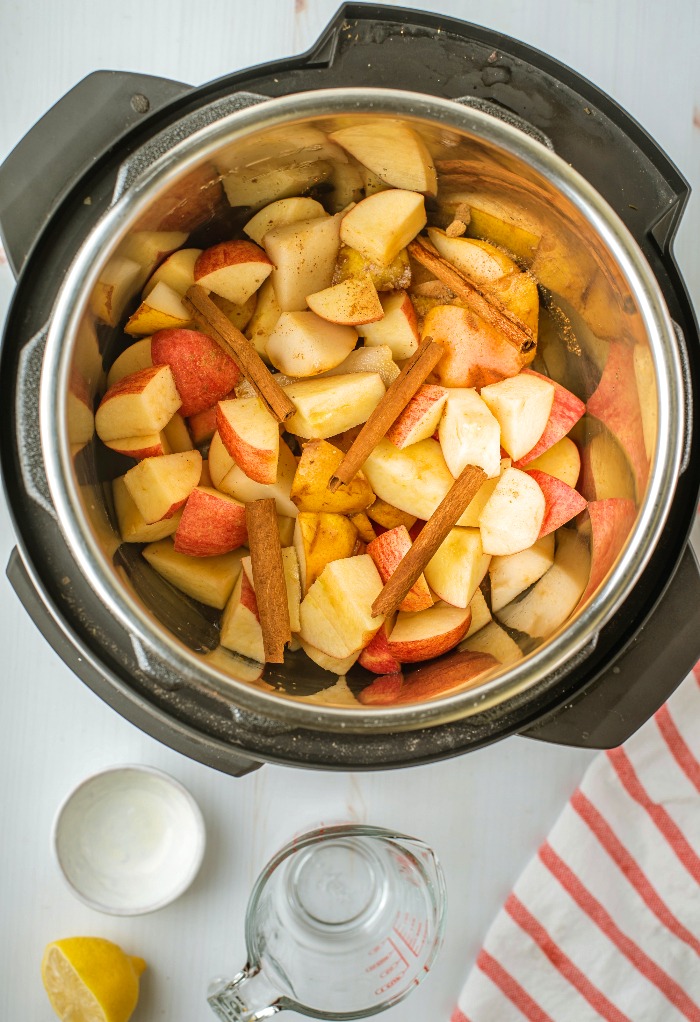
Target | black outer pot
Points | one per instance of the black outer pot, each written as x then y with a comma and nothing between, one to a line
630,667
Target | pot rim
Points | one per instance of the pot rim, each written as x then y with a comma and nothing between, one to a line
550,659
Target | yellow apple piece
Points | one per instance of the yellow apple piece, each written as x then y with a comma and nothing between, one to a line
563,461
133,528
476,353
427,633
478,260
365,530
162,310
382,224
207,579
469,433
232,269
304,255
502,224
333,404
240,624
513,515
521,404
605,469
119,281
352,302
336,613
134,358
251,436
391,150
329,663
645,377
389,517
456,569
387,551
177,271
321,537
281,213
491,638
310,491
481,615
228,477
347,185
160,486
398,328
353,264
264,318
512,574
420,417
518,293
138,405
303,344
554,597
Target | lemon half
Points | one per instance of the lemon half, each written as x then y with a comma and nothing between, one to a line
89,979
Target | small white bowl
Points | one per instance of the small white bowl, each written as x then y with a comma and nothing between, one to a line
129,840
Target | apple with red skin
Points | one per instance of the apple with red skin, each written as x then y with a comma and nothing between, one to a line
212,523
160,486
138,405
561,501
428,633
232,269
376,657
387,551
420,418
203,372
251,436
140,447
240,624
429,681
398,328
566,410
611,523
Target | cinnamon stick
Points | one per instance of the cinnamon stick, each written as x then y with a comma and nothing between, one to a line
411,377
268,577
206,314
512,329
435,530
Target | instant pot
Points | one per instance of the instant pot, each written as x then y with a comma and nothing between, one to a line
124,153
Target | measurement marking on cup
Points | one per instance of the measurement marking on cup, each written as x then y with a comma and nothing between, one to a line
391,963
409,946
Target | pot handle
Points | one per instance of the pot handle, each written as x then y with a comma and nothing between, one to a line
72,135
643,676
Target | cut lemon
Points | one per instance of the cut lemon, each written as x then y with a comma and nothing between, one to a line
89,979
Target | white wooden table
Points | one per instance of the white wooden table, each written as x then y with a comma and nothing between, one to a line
484,813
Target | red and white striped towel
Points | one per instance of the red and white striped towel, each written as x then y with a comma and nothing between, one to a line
605,920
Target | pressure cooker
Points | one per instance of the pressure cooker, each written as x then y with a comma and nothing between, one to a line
123,153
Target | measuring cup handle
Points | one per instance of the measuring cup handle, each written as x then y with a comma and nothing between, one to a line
235,1000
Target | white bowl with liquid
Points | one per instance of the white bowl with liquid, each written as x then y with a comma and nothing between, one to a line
129,840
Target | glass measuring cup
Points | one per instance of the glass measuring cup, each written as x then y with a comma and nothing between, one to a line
342,923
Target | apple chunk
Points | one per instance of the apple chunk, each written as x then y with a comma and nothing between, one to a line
329,663
512,574
476,353
512,517
469,433
264,318
387,551
321,537
398,327
376,657
384,223
494,640
562,502
304,344
428,682
477,259
304,256
566,410
209,580
228,477
611,524
414,479
159,486
561,460
393,151
240,623
251,436
134,358
336,613
456,569
211,524
177,271
420,417
138,405
233,269
139,447
333,404
310,491
132,526
161,310
202,371
521,404
280,213
352,302
428,633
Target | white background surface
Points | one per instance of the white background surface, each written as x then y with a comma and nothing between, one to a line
485,813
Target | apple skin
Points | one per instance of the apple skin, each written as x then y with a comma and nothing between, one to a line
203,372
251,436
387,551
376,656
611,523
232,269
211,524
428,633
567,409
561,502
140,447
420,417
429,681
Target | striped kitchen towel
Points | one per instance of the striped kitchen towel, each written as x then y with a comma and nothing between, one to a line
604,923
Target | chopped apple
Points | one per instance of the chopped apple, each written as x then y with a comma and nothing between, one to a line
203,425
264,319
262,183
232,269
391,150
303,344
351,303
522,405
119,281
310,491
133,528
562,502
139,447
321,537
456,569
212,523
518,293
304,256
562,461
387,551
150,248
162,310
512,574
347,184
138,405
470,518
512,517
611,524
177,435
160,486
352,264
414,479
333,404
238,315
566,410
285,527
177,272
469,433
605,470
502,224
368,360
230,478
398,327
329,663
388,516
476,353
365,530
481,615
458,671
336,613
551,600
428,633
251,436
203,372
420,417
376,657
494,640
290,568
478,260
210,580
240,623
134,358
281,213
384,223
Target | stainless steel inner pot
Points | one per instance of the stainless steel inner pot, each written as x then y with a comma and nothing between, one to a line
244,150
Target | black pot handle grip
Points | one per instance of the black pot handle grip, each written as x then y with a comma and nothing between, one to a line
79,129
640,680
